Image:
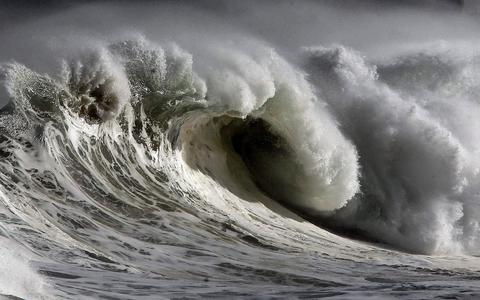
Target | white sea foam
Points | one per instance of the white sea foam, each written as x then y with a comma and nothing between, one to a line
17,277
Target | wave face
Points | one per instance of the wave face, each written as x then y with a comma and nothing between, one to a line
244,168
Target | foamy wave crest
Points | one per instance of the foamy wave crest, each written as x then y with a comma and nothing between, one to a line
97,84
419,166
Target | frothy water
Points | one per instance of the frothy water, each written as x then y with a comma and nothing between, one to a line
142,168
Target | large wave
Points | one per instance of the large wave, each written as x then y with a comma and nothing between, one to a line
258,122
145,158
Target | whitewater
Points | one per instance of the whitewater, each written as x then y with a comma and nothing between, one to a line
253,150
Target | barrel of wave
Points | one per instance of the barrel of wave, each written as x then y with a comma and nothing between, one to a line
314,170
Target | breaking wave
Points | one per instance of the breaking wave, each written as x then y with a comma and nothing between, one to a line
142,159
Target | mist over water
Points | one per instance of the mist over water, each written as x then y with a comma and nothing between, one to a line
254,149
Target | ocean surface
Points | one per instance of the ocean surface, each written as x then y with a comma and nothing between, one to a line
240,149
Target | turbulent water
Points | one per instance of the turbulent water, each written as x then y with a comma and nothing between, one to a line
240,158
